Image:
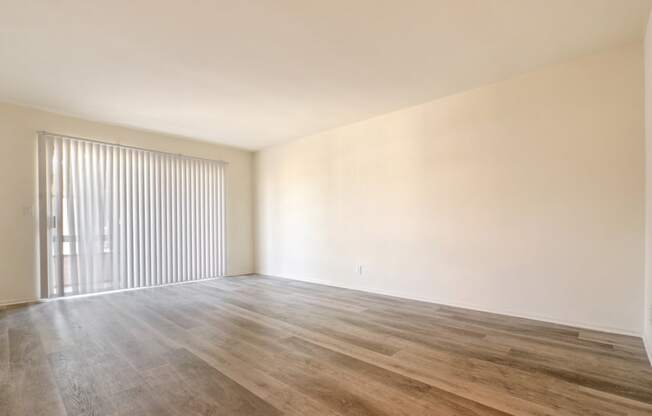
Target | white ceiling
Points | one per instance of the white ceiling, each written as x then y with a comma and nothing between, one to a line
254,73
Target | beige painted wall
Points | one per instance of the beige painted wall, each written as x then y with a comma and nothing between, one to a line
18,190
524,197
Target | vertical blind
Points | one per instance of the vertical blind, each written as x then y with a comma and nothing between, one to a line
119,217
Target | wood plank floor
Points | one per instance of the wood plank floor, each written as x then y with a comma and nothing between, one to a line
256,345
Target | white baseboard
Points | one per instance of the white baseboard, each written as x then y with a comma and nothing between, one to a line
14,302
571,323
648,347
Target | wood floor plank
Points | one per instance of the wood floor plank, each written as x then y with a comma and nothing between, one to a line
508,403
259,345
25,371
436,400
77,384
219,353
232,398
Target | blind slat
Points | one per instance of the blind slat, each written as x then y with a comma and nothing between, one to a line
122,218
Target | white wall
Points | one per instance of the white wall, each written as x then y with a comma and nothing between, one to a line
524,197
18,190
648,190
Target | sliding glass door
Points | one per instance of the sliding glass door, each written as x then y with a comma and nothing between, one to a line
116,217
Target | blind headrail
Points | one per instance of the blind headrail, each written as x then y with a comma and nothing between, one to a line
124,146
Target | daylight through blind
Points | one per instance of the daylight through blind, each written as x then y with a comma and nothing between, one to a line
119,217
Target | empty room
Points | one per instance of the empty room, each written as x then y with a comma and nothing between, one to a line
427,207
